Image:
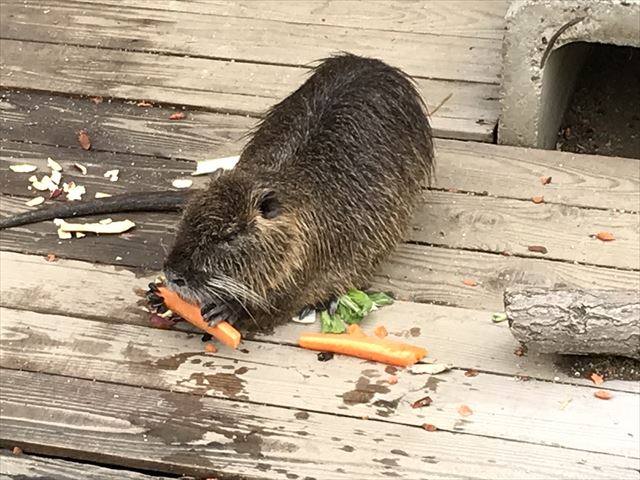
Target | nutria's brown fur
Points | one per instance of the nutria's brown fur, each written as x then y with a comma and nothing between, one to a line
323,192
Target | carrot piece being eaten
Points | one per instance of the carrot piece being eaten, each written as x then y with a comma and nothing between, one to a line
359,345
223,331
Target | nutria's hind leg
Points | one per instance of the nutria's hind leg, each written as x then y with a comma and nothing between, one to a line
229,311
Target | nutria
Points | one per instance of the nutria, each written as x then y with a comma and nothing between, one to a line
322,193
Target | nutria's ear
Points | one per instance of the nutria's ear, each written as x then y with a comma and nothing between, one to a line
269,205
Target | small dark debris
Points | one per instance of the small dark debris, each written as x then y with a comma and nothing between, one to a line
521,351
537,249
325,356
423,402
472,372
301,415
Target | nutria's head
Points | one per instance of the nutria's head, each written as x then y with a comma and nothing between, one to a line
239,240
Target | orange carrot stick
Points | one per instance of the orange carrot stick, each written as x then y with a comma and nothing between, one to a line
366,347
223,331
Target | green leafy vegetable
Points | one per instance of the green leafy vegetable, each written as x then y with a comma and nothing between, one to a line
498,317
352,308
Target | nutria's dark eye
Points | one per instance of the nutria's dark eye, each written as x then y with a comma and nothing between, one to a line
269,205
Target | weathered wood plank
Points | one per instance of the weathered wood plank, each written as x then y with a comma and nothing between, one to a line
578,180
442,219
464,18
176,361
501,225
429,274
204,436
446,219
414,272
31,283
127,26
247,88
23,467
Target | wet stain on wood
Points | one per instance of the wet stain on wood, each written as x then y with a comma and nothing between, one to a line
364,392
226,383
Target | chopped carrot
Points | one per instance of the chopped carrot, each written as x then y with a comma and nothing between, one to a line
380,331
597,379
429,427
464,411
605,236
392,380
210,348
602,395
537,199
191,313
355,329
470,282
357,344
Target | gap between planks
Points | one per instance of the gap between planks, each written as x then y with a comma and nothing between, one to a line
199,435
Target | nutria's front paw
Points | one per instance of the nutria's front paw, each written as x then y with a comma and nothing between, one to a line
214,313
330,304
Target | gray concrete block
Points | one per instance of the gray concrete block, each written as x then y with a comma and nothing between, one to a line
546,43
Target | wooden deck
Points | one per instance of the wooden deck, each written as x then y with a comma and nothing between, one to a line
89,390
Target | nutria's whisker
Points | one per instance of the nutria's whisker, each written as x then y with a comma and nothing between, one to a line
241,292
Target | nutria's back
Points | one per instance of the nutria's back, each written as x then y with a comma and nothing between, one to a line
323,192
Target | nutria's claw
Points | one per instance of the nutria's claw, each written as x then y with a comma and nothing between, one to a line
333,306
306,311
215,313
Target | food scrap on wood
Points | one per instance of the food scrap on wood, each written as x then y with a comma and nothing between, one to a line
605,236
470,282
112,175
356,343
81,167
602,395
23,168
35,201
597,379
464,411
177,116
537,249
380,331
430,368
99,227
182,183
84,140
545,180
498,317
422,402
429,427
53,165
